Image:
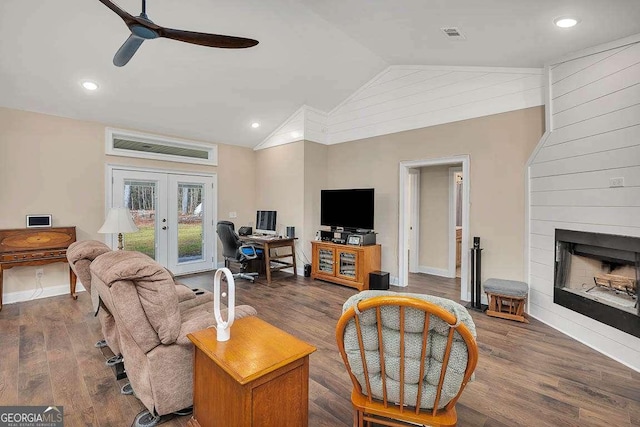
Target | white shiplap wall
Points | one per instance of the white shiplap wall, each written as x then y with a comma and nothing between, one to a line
594,124
409,97
306,123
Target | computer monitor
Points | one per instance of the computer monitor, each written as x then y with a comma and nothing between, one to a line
266,222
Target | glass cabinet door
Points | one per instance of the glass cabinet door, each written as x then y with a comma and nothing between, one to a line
347,264
325,261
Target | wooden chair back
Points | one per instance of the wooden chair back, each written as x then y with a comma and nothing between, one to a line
370,409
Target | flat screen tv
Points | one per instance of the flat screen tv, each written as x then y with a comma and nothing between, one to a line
351,209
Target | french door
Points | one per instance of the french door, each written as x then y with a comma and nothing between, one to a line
174,213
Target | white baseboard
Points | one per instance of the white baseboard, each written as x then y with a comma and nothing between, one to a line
442,272
572,336
483,299
394,280
49,291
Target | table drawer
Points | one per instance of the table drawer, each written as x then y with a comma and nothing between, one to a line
33,255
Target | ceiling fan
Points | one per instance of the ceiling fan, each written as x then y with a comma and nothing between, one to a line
142,28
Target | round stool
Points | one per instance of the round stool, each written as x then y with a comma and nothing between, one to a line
506,299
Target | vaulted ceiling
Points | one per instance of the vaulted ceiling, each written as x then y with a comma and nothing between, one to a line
311,52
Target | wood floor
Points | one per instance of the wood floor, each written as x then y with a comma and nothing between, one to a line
527,375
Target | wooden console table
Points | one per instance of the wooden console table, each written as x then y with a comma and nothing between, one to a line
36,246
259,377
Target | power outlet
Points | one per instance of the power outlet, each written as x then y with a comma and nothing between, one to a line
39,273
616,182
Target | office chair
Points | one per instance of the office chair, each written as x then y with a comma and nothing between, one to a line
234,250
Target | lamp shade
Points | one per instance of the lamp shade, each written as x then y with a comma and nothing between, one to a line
118,220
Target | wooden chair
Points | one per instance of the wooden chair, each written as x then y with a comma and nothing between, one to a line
411,348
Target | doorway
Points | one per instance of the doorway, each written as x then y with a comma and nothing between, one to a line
405,206
174,213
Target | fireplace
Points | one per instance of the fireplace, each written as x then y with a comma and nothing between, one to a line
597,275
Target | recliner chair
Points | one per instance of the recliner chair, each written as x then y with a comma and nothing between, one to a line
80,255
153,325
234,250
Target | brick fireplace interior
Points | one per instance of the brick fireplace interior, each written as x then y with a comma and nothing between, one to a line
597,275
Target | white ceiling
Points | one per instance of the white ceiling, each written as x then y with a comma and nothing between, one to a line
313,52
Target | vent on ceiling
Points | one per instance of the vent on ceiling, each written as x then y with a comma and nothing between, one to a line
453,33
132,144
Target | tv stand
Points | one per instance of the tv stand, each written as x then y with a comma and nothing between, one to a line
344,264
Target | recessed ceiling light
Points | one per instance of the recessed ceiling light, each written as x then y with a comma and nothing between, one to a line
565,22
255,125
89,85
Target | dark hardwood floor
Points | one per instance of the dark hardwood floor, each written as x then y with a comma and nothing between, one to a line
527,375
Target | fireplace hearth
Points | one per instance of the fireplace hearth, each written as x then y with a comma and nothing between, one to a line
597,275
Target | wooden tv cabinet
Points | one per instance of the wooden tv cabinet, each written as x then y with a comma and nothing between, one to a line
344,264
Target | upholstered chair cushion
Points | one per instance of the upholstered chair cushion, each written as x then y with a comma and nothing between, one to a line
155,288
413,327
80,255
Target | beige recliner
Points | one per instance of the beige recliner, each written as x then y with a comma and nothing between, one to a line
153,328
80,256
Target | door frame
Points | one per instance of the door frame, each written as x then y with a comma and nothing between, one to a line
110,167
414,249
452,221
403,238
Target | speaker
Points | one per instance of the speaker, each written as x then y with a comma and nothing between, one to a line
307,270
476,242
379,280
291,232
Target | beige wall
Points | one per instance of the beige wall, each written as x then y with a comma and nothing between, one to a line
280,183
55,165
315,179
434,217
498,145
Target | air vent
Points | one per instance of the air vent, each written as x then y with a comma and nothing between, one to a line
132,144
453,33
148,147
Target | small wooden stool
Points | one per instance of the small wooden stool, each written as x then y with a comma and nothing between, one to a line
506,299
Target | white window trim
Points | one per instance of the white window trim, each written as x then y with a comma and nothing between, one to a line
112,133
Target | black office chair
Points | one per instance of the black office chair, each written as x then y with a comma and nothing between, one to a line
234,250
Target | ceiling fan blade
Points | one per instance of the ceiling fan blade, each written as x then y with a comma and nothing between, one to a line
204,39
127,50
121,13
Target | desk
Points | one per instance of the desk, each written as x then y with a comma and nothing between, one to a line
260,377
36,246
274,263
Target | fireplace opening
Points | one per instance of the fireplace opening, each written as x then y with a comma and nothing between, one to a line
597,275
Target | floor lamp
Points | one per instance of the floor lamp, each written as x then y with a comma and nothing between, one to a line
119,221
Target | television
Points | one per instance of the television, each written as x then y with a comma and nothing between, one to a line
350,209
266,222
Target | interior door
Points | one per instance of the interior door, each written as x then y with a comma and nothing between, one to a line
174,213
